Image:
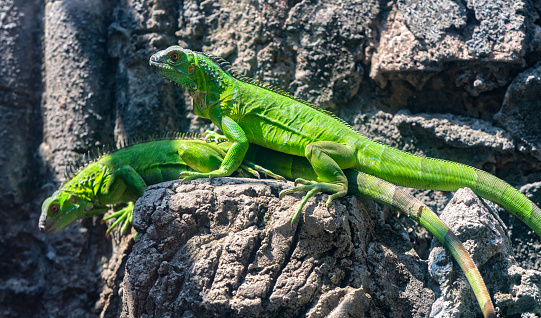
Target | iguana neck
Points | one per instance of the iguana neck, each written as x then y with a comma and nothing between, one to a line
214,88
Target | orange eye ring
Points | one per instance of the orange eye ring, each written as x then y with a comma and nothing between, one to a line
174,57
54,208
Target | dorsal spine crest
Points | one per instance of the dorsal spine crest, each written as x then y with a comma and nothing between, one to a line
94,155
226,67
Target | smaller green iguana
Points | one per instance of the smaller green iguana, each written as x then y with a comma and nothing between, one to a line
122,176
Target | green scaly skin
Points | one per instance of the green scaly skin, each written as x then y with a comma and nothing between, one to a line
122,177
178,155
248,111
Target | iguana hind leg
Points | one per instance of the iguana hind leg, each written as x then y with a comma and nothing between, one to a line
125,182
328,159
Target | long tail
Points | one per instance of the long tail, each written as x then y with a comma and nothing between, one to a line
374,188
408,170
365,185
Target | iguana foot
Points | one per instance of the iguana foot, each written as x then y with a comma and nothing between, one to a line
313,187
248,164
190,175
249,170
124,215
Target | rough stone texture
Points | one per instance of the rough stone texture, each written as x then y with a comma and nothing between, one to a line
424,35
520,113
293,45
19,84
77,92
138,29
424,76
229,249
512,287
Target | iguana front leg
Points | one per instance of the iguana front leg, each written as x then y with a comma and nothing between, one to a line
221,143
124,183
234,156
123,215
328,159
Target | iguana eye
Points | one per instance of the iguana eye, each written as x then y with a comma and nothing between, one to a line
54,208
174,57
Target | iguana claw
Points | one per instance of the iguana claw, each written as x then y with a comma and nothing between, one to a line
314,187
124,215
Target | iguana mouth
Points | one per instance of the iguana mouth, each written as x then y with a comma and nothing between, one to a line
156,60
47,226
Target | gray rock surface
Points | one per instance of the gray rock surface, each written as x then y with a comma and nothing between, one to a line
478,227
425,35
78,92
229,249
520,113
19,94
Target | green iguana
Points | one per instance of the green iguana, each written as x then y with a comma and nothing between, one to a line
246,110
122,176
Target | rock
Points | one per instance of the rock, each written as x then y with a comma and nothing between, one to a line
76,76
520,113
425,35
484,236
229,249
19,102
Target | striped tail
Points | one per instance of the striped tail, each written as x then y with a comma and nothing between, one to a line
409,170
502,193
364,185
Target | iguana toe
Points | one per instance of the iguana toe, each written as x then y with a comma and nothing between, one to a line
336,191
304,181
124,215
188,175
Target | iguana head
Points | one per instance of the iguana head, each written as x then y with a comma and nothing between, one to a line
73,201
180,66
198,72
62,209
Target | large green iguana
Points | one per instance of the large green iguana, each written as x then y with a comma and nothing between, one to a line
122,176
246,110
